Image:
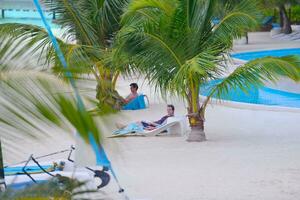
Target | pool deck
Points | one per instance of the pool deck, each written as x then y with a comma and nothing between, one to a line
263,41
251,154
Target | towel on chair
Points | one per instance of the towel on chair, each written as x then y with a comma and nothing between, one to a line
130,128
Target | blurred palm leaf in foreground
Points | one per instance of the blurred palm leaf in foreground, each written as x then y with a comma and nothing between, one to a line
57,188
34,104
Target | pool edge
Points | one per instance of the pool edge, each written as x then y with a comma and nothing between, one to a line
249,106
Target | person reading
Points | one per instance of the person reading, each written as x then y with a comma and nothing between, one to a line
152,125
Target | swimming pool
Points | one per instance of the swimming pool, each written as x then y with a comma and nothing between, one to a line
247,56
263,95
27,17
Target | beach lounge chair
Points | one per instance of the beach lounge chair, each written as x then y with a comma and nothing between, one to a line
174,126
138,103
267,20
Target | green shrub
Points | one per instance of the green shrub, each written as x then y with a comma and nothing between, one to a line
295,14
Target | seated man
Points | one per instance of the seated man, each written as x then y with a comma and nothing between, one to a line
153,125
147,125
133,93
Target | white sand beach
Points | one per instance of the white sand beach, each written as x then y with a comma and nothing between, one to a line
250,154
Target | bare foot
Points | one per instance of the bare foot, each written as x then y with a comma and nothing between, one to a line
120,126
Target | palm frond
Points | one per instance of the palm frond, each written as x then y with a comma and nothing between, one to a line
22,40
72,16
37,104
238,18
165,6
91,22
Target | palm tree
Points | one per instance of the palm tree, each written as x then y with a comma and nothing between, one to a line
176,45
89,30
285,22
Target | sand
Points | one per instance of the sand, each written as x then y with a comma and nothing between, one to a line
249,155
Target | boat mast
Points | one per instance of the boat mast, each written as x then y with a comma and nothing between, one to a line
2,180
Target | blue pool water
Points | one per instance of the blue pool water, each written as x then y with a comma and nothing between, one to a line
264,95
27,17
247,56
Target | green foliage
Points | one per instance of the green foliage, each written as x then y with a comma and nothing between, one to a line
271,5
57,188
295,14
182,44
91,22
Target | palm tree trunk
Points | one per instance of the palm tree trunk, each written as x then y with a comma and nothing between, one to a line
197,133
106,92
286,23
107,96
280,19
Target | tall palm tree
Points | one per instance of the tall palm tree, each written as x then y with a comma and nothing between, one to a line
176,45
89,31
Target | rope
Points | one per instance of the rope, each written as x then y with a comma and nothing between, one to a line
98,149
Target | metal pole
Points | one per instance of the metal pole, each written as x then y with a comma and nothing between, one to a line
2,178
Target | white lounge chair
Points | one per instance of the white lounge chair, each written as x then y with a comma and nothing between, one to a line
174,126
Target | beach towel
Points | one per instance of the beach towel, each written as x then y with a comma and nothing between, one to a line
130,128
136,104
